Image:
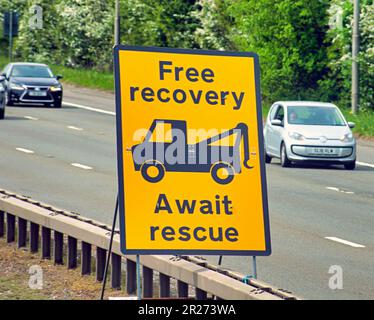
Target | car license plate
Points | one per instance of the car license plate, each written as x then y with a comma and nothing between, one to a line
38,93
324,151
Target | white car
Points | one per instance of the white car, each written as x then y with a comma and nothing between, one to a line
300,131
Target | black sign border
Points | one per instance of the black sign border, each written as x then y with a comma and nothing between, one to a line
120,172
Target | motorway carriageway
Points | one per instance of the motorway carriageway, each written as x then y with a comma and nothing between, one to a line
320,217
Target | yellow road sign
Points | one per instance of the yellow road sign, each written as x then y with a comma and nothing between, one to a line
190,152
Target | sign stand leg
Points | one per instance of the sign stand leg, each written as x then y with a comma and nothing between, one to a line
109,250
138,290
254,267
220,260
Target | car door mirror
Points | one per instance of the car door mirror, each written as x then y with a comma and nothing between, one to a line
59,76
351,125
276,122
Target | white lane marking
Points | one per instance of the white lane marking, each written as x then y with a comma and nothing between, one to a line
338,190
82,166
25,150
365,164
75,128
89,108
348,243
332,188
30,118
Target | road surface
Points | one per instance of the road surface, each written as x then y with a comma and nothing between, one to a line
320,217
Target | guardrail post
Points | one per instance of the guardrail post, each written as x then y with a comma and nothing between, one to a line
22,232
164,286
86,258
58,247
34,237
1,223
182,289
46,243
201,294
10,227
131,276
116,271
100,263
72,253
147,282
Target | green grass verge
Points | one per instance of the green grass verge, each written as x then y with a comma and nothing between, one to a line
85,77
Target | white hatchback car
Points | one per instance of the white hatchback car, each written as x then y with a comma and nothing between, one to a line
300,131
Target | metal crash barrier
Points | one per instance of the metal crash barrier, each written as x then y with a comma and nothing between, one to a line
64,236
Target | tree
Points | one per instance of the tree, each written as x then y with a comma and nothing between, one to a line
289,37
214,25
87,26
35,44
337,83
165,23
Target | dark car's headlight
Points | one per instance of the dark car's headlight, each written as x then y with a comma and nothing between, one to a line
55,88
16,86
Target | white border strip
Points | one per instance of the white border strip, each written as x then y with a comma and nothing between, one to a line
365,164
82,166
348,243
25,150
69,104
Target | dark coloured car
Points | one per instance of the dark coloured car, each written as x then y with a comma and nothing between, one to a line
31,83
2,98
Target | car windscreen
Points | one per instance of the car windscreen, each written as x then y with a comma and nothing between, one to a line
313,115
29,71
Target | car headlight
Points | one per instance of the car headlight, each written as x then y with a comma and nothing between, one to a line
348,137
55,88
15,86
296,136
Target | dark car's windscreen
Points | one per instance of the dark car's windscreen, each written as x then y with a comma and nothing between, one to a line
31,72
317,116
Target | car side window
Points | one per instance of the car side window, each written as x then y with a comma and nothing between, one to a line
273,110
280,114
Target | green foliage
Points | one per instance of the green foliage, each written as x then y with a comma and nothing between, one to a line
215,24
337,84
163,23
289,36
42,45
86,22
75,33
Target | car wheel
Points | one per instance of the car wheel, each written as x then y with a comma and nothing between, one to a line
285,162
222,173
267,158
152,171
58,104
7,100
350,165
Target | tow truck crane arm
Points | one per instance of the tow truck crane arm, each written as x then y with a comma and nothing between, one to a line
243,131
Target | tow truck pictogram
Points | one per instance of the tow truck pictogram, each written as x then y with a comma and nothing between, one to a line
221,161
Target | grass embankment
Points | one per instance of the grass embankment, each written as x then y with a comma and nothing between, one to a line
59,283
104,80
